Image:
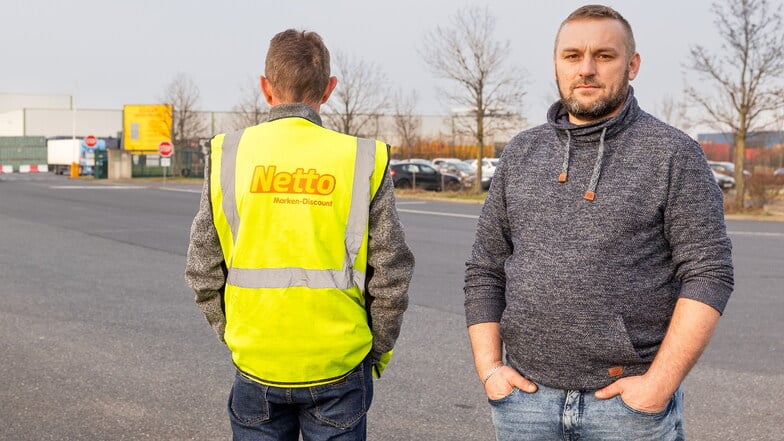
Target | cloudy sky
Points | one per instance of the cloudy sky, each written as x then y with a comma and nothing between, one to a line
112,53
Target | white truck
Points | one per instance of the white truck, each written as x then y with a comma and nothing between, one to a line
61,153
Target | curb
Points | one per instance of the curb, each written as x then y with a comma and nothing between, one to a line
25,168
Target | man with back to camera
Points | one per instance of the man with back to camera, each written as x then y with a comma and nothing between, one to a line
298,258
601,262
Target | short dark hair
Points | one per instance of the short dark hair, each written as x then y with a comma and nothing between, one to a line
601,12
297,66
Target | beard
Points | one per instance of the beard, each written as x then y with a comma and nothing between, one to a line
599,109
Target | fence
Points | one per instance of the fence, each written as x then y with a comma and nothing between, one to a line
184,162
22,150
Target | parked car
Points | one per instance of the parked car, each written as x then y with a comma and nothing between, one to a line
727,168
724,181
488,169
778,172
440,161
419,160
459,169
408,174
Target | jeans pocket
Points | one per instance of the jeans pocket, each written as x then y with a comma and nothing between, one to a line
656,415
248,401
343,403
502,400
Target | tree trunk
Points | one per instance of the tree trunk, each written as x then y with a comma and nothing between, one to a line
480,150
740,181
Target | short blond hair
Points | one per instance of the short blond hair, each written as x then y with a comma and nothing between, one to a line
297,66
600,12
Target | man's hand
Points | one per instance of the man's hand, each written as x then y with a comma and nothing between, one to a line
690,329
500,380
503,382
639,393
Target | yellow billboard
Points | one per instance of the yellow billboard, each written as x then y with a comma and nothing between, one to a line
145,126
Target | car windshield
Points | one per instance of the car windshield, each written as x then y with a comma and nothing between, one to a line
462,166
419,168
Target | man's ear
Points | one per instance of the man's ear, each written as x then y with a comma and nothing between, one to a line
634,66
333,82
266,90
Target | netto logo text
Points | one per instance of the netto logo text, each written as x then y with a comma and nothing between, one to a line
269,180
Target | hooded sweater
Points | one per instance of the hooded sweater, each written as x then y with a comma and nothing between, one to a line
588,236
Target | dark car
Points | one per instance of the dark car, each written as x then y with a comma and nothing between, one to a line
409,174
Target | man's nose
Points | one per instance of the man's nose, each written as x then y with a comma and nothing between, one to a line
587,67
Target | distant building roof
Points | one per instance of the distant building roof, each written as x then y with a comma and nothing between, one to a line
766,139
16,101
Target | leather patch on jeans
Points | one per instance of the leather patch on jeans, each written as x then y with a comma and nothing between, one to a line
615,371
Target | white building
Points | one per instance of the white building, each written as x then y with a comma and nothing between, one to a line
54,116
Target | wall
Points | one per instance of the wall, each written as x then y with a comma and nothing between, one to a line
57,122
119,163
12,123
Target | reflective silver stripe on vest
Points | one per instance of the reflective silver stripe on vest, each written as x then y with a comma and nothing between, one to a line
228,166
285,277
345,278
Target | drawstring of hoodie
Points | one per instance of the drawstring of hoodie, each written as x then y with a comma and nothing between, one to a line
565,167
590,193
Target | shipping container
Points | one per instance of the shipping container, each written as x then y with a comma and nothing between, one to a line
22,150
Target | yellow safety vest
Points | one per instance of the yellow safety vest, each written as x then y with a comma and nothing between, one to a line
290,202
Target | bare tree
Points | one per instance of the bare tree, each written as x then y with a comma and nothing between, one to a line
183,94
407,124
673,111
252,109
746,74
779,127
359,97
486,89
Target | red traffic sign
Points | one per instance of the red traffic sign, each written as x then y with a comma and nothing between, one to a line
165,148
90,141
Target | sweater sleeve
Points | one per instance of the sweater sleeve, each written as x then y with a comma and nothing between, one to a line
695,229
390,268
205,270
485,279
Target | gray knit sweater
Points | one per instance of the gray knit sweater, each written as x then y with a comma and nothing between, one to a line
390,261
582,286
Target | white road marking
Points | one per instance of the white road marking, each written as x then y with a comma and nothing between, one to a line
401,210
755,233
472,216
98,187
439,213
184,190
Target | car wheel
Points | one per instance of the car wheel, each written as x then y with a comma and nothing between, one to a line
403,183
453,186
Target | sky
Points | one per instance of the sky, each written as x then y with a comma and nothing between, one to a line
110,53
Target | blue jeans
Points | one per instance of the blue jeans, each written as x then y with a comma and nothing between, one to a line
335,411
555,414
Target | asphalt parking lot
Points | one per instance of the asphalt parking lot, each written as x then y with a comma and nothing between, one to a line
101,339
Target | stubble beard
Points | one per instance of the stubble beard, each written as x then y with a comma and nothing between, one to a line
600,108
